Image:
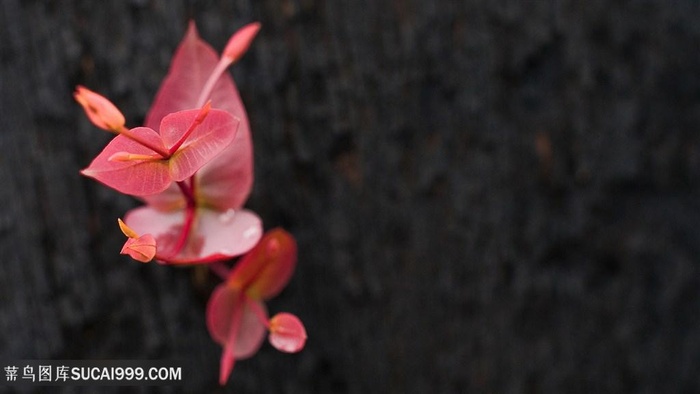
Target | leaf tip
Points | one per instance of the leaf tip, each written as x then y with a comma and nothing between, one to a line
227,361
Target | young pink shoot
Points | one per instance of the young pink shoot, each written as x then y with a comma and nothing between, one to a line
101,112
151,162
224,183
238,303
236,47
201,219
105,115
140,248
240,41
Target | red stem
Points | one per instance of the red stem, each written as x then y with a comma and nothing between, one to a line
190,210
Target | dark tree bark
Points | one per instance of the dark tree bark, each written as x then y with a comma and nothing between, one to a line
489,196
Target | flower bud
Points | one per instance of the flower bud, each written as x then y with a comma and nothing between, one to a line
101,112
141,249
240,41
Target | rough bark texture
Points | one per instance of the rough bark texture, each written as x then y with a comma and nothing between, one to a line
489,196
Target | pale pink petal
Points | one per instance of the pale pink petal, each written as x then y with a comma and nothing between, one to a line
216,235
287,333
135,177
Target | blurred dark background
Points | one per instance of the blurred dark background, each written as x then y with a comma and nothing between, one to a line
489,196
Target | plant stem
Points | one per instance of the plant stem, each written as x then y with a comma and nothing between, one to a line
213,78
190,211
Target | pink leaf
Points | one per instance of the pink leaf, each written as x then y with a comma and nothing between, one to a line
206,141
266,269
224,306
135,177
216,235
141,249
233,324
132,168
193,63
251,333
287,333
226,181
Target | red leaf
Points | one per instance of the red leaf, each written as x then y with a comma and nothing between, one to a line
266,269
287,333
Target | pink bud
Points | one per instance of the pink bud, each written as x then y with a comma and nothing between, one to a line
101,112
240,41
141,249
